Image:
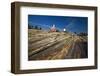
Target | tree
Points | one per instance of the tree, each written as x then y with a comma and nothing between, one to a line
36,27
75,33
82,34
57,30
40,28
29,26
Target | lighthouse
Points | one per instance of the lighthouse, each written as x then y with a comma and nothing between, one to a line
53,28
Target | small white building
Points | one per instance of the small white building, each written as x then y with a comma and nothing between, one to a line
53,28
64,29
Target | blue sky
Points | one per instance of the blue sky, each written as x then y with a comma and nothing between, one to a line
72,24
